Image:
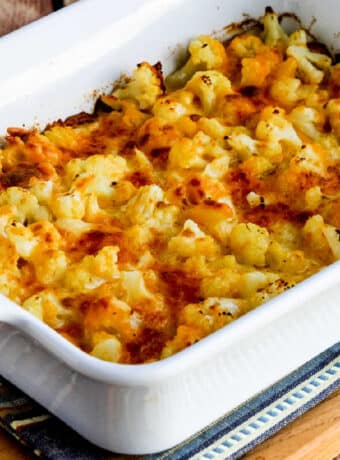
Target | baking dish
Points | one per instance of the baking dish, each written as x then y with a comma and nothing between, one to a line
147,408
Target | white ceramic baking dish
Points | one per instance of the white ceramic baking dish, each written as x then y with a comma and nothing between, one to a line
48,70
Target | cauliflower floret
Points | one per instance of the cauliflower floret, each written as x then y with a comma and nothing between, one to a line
309,63
109,314
46,306
286,91
249,243
27,208
307,121
255,70
211,314
213,216
164,219
254,281
95,174
224,282
69,206
50,266
47,234
209,86
333,112
108,349
245,46
206,53
273,34
141,207
311,158
22,239
214,128
93,271
134,288
195,153
105,263
313,198
274,127
145,86
316,237
217,168
42,190
192,241
284,260
170,108
243,144
332,235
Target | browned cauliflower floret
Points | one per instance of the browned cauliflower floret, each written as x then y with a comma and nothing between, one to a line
273,34
210,86
206,53
144,87
311,65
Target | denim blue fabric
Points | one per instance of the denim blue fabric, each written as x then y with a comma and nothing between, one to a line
53,440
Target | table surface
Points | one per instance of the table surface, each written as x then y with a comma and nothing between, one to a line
313,436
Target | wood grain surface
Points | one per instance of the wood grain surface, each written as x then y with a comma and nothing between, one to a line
16,13
314,436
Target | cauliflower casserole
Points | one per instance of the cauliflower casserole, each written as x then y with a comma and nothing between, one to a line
177,206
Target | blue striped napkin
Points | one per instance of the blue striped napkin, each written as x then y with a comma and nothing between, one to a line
226,439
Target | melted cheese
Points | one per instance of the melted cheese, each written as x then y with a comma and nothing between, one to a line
167,214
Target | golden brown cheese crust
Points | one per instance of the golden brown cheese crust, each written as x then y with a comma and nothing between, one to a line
162,217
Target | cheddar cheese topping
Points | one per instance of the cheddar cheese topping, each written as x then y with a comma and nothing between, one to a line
177,206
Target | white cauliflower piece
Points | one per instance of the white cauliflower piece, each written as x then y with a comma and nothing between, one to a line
191,241
206,53
42,190
95,174
317,237
50,266
141,207
197,152
209,86
22,239
69,206
46,306
309,159
332,235
273,34
249,243
307,121
311,65
243,144
274,127
313,198
144,87
134,288
93,271
109,349
26,205
211,314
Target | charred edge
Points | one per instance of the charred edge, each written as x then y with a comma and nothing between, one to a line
101,107
159,73
318,47
239,28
